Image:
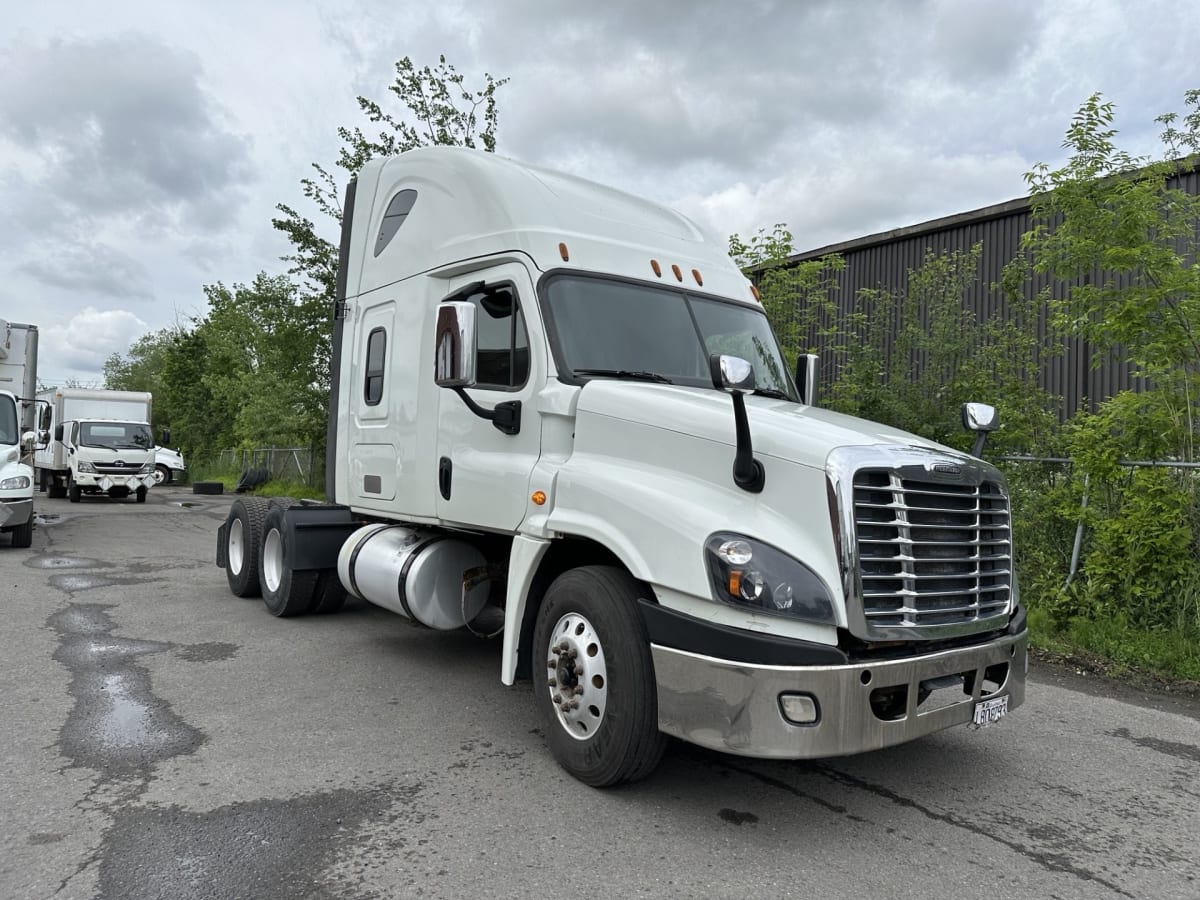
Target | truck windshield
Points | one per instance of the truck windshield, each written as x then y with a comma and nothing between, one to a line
612,328
115,435
8,421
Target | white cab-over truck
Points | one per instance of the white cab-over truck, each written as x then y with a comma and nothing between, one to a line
562,408
18,384
96,441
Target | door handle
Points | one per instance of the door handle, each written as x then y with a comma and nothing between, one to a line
445,474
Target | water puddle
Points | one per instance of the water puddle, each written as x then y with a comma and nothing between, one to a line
117,726
65,562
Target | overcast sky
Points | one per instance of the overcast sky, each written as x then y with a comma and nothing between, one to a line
144,145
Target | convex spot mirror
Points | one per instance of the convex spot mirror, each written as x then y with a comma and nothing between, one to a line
28,439
980,417
454,345
731,373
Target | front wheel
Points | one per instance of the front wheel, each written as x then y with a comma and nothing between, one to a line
140,496
594,679
22,535
73,492
162,475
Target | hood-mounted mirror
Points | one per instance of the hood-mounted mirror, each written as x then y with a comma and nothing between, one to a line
735,376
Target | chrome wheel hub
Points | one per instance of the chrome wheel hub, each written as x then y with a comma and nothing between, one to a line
577,676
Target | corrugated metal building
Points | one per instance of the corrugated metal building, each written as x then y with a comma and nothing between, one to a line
884,260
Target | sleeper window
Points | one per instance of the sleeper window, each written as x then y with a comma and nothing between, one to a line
397,211
376,355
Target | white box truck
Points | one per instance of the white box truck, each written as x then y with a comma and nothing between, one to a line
562,407
96,441
18,384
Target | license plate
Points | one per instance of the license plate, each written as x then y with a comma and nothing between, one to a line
989,711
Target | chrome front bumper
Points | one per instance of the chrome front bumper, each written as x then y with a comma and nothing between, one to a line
735,707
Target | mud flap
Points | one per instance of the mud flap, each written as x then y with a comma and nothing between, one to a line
223,545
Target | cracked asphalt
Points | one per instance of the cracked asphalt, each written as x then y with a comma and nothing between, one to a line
164,739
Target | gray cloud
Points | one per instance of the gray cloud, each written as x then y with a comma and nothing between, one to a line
122,127
90,270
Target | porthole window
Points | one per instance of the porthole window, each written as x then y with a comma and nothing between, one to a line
376,355
397,211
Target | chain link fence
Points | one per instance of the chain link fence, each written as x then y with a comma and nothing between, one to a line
301,464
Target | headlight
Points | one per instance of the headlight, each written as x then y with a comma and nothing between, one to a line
14,484
753,575
86,467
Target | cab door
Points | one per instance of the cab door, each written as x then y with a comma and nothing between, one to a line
483,473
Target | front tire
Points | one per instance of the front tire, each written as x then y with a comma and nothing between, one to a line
243,538
594,677
162,475
141,495
22,535
73,492
285,591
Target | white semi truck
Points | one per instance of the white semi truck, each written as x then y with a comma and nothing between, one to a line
18,384
561,407
96,441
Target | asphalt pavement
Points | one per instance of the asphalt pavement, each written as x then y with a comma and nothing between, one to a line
165,739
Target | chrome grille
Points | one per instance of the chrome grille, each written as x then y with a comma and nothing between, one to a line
933,555
117,468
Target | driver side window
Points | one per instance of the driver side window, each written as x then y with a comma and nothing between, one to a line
502,343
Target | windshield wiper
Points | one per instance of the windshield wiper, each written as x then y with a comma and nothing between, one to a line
626,373
772,393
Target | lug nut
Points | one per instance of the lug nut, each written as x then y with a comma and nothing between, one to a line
572,653
564,646
552,663
558,698
553,682
579,690
574,704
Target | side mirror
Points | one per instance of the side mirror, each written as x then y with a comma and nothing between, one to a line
166,437
454,345
731,374
28,439
980,418
807,367
58,433
735,376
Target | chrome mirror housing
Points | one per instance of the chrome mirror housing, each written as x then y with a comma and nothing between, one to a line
454,345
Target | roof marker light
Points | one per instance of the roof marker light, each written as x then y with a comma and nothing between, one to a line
696,275
562,251
678,272
656,267
754,291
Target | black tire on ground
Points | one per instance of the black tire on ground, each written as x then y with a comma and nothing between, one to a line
55,490
141,495
207,487
329,595
162,475
286,592
73,492
243,540
589,619
22,537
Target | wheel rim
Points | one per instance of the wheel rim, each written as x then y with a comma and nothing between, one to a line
237,547
159,476
578,676
273,560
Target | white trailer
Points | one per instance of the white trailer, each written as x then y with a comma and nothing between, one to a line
95,441
18,384
562,407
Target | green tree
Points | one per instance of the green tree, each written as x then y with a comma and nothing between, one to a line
1121,235
798,298
142,370
266,358
437,108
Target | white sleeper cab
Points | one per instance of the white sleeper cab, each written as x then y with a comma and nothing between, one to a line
559,412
